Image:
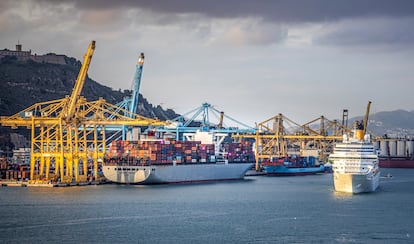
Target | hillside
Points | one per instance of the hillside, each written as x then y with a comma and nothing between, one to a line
398,123
23,83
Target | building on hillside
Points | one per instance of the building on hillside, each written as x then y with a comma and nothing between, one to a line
51,58
21,156
19,141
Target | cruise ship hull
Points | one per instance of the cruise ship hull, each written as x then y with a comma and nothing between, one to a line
356,183
180,173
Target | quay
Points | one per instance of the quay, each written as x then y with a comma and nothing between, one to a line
47,184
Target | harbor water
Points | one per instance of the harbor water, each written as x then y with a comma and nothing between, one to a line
259,209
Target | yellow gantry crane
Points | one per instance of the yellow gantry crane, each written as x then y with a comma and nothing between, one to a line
279,135
68,134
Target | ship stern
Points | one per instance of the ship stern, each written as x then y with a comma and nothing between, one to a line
127,175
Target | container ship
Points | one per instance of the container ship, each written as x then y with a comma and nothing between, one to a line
396,153
355,164
162,161
396,162
292,166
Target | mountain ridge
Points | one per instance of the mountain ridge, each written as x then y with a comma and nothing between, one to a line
396,123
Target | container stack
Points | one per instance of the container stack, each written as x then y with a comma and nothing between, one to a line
14,171
239,152
3,167
169,152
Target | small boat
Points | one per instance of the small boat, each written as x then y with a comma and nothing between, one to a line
389,176
292,166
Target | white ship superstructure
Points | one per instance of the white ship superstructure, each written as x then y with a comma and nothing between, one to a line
355,164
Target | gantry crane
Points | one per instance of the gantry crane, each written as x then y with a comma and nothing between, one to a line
279,136
131,103
137,83
69,132
181,124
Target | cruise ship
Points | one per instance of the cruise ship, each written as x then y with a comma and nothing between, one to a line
355,163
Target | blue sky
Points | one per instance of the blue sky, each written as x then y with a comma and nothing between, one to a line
251,59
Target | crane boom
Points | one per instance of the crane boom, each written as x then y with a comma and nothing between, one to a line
137,82
80,81
366,117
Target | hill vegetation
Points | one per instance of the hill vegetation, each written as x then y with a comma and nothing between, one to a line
25,82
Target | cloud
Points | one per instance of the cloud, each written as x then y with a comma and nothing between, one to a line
100,18
254,33
238,22
269,10
372,32
241,22
252,58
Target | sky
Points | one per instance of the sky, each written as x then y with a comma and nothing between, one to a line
250,59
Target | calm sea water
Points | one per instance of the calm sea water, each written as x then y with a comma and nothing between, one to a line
301,209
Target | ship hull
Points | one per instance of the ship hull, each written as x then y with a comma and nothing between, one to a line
164,174
355,183
291,171
396,163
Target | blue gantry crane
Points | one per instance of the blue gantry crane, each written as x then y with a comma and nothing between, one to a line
133,104
130,103
202,120
181,124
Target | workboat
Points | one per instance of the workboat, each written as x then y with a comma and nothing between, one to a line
292,166
173,161
355,163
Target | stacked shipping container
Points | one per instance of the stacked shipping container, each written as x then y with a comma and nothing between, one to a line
13,171
168,152
239,152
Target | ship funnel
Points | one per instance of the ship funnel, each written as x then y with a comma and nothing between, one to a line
360,134
359,130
